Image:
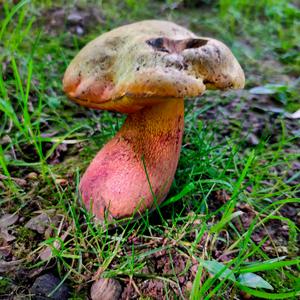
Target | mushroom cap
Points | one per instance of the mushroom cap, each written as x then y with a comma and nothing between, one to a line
137,65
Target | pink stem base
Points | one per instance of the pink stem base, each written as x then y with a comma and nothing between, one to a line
115,184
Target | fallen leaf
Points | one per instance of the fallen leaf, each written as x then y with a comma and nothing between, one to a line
153,289
8,220
254,281
39,223
43,221
215,267
8,266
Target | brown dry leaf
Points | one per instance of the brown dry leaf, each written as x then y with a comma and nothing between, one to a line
8,220
222,196
153,288
280,250
39,223
43,221
6,237
19,181
8,266
246,218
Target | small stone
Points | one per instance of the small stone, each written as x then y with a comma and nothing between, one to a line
189,285
61,181
74,18
79,30
45,285
253,139
106,289
32,176
5,140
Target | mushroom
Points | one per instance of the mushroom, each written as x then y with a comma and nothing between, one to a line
145,70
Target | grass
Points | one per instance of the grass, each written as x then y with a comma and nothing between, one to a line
224,231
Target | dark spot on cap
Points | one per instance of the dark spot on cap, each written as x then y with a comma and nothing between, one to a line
175,46
158,44
195,43
206,81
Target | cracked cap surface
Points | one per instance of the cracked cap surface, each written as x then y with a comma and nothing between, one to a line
140,64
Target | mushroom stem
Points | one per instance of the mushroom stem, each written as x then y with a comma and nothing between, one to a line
148,145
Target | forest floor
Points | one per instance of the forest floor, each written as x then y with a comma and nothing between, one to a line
229,228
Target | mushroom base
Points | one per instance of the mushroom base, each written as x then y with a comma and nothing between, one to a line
134,171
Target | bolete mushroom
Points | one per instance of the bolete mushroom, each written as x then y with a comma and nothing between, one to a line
145,70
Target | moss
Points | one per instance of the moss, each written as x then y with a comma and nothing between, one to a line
25,242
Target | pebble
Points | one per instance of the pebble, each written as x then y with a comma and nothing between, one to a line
61,181
45,284
106,289
32,176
